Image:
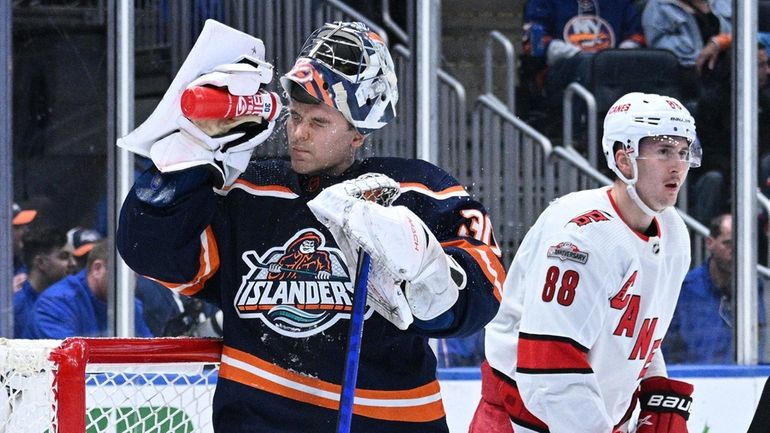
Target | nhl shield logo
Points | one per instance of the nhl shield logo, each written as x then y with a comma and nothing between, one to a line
655,248
298,289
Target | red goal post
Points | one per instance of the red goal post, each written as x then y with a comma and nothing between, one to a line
98,385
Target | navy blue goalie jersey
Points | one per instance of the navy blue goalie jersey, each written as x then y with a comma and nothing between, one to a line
255,249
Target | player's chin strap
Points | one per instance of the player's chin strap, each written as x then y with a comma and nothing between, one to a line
631,188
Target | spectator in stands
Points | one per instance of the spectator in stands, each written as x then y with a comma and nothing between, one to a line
81,241
20,222
702,328
77,304
563,35
49,260
696,31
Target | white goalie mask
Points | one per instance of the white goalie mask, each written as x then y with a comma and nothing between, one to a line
639,115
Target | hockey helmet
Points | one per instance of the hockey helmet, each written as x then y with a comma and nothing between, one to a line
638,115
348,67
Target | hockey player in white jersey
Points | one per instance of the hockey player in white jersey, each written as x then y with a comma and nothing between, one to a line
592,289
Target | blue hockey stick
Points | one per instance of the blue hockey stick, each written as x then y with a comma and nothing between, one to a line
355,334
384,191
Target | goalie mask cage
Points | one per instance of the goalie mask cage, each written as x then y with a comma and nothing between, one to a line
108,385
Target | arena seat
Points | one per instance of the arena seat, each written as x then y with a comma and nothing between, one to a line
616,72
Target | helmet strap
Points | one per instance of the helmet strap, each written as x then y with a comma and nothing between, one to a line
631,188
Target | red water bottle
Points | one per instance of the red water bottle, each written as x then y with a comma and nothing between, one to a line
204,102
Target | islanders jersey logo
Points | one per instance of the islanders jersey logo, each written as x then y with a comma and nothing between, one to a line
590,33
298,289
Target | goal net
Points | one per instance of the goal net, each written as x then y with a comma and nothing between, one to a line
108,385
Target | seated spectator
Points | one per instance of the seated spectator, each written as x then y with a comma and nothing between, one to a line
702,330
49,260
77,305
20,222
82,241
563,34
696,31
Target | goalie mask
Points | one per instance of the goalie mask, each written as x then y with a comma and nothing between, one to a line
638,115
347,67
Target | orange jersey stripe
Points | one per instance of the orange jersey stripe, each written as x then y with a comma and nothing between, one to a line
265,190
452,191
551,354
420,404
487,261
208,265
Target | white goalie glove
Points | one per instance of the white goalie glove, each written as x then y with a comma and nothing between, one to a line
404,253
174,142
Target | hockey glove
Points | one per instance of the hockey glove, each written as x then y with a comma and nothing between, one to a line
223,145
665,406
411,276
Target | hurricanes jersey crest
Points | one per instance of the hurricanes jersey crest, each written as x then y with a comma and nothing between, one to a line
298,289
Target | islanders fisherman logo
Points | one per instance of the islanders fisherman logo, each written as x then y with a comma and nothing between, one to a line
298,289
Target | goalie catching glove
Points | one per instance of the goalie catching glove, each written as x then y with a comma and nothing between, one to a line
410,275
665,405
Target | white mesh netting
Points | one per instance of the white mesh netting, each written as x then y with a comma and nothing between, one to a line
135,397
27,401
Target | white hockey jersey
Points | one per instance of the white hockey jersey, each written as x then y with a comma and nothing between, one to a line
586,304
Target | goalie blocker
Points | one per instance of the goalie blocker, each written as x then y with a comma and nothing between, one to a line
233,63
